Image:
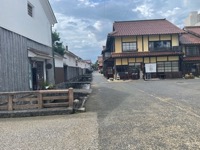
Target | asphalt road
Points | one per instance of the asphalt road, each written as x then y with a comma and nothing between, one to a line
163,114
123,115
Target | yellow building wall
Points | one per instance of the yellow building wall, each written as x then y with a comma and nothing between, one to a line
175,41
152,59
146,60
139,43
124,61
154,38
131,60
129,39
173,58
162,58
139,59
165,37
142,44
118,45
146,43
118,62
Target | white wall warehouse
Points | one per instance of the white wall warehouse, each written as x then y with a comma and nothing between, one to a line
14,17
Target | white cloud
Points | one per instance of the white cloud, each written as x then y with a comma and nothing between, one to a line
172,12
145,9
88,3
84,24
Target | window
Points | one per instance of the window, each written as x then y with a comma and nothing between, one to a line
129,46
168,66
159,45
30,9
192,51
175,66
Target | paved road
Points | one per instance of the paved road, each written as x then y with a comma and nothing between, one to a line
123,115
141,114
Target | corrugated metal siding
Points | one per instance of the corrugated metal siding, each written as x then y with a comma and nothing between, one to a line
14,61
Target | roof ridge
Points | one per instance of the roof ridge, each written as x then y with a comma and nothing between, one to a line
139,20
192,27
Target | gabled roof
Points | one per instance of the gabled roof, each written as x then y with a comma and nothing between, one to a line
193,30
48,11
188,38
144,27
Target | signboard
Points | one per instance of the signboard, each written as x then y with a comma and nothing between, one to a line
150,68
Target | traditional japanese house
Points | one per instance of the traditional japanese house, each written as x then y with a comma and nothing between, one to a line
149,48
191,47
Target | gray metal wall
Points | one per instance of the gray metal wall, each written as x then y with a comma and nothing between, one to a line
14,61
72,73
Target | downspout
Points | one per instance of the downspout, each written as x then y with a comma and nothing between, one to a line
53,57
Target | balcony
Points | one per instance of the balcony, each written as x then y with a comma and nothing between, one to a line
166,49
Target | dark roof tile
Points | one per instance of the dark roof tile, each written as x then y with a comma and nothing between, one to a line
144,27
143,54
189,39
195,58
193,29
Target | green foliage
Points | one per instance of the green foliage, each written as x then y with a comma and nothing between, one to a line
95,66
45,85
57,44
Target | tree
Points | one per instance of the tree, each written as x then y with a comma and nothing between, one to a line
95,66
57,44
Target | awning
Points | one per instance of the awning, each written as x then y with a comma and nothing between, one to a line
33,53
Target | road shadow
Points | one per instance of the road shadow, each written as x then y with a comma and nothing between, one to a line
103,99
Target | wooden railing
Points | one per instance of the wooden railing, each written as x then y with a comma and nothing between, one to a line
36,99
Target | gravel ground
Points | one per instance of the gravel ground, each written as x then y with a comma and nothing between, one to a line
122,115
70,132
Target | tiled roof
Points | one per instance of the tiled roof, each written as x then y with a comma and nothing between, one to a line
195,58
188,38
143,54
193,29
144,27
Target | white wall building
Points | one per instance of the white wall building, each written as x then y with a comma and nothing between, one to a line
25,44
14,17
193,19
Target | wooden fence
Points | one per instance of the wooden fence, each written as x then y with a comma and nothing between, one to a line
36,99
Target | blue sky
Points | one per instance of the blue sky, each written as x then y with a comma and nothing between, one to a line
84,24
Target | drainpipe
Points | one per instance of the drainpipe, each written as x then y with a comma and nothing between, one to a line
53,56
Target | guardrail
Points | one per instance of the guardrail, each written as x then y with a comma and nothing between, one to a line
24,100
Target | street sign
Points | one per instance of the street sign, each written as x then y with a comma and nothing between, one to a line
150,68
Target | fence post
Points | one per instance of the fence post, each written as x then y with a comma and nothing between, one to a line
40,100
71,97
10,102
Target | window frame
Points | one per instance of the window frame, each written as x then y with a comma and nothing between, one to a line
167,66
163,48
128,46
192,52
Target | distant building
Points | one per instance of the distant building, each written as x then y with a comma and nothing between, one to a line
190,42
100,62
69,67
193,19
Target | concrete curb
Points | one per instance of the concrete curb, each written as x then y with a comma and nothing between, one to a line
35,112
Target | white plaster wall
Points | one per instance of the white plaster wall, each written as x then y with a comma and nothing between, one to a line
81,64
69,60
58,62
14,17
